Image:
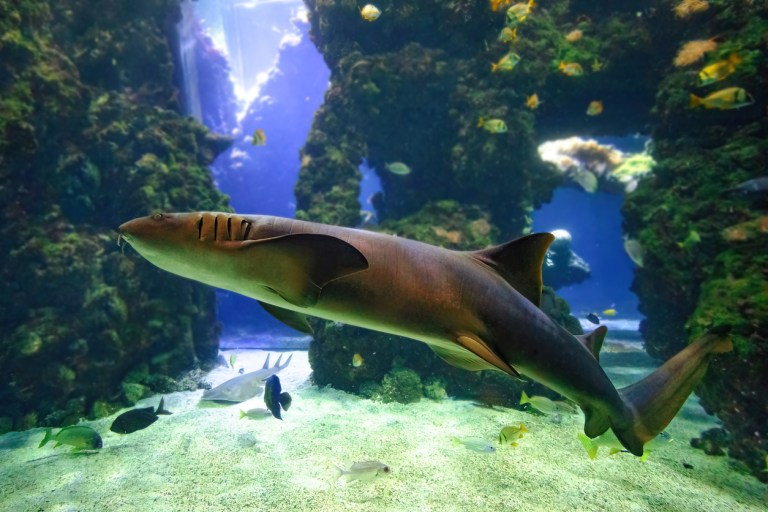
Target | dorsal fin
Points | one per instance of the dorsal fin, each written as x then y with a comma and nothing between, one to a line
519,263
594,340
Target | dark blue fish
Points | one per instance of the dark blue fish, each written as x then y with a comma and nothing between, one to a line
592,317
274,398
137,419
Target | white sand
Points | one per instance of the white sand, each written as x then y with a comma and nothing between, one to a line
203,458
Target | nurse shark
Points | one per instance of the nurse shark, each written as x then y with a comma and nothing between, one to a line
476,310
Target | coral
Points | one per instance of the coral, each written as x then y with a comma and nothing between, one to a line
434,388
401,385
693,51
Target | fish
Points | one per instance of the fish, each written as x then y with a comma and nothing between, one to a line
492,125
725,99
571,68
364,470
574,35
754,186
275,398
519,12
475,444
477,310
255,414
719,70
137,419
597,65
508,35
79,437
246,386
399,168
547,405
592,317
587,180
506,63
370,12
497,5
232,359
259,138
357,360
609,312
532,102
609,440
511,434
692,239
634,250
595,108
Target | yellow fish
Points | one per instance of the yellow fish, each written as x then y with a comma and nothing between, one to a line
507,35
609,312
519,12
719,70
357,360
571,68
595,108
532,102
724,99
370,12
506,63
493,125
511,433
259,138
497,5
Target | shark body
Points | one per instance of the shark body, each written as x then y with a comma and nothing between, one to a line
477,310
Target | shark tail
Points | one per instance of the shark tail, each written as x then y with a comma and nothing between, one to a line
655,400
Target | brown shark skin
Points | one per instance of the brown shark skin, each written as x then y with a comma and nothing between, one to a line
427,293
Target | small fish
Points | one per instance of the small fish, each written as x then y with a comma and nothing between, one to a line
399,168
497,5
357,360
370,12
609,440
364,470
137,419
79,437
753,186
532,102
492,125
475,444
574,35
571,68
519,12
506,63
508,35
511,433
719,70
367,216
724,99
587,181
592,317
547,405
274,397
255,414
259,138
232,359
609,312
595,108
692,239
634,250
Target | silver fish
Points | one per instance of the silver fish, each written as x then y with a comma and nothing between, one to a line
246,386
475,444
365,470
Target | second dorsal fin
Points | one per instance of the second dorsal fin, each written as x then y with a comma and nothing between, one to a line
519,263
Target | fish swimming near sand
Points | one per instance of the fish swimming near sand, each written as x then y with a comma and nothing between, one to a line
475,444
137,419
477,310
364,470
608,440
257,413
547,405
275,398
246,386
79,437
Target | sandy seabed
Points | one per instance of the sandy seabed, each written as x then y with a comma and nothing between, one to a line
204,458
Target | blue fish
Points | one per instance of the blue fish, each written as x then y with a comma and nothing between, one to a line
274,397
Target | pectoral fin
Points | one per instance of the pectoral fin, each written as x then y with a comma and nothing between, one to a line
290,318
473,354
297,266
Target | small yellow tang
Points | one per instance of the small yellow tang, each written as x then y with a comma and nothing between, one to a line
357,360
719,70
532,102
370,12
595,108
571,68
724,99
492,125
259,138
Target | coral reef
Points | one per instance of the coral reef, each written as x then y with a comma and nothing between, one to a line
90,137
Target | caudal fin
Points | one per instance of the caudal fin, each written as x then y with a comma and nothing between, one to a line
48,437
656,399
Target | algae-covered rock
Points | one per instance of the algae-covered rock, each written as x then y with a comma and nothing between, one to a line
401,385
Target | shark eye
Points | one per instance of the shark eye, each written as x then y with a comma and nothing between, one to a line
157,216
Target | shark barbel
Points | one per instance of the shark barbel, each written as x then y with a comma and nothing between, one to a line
477,310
